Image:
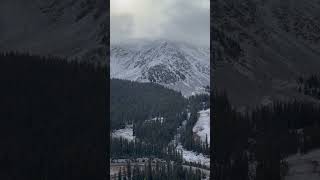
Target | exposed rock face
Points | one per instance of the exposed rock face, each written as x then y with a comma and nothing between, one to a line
180,66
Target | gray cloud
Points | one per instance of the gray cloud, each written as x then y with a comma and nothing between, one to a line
122,27
188,21
180,20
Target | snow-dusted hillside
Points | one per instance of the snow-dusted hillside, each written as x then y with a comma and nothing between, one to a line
69,28
304,167
201,129
262,47
180,66
191,156
202,126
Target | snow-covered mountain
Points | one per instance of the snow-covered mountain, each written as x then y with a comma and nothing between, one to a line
180,66
69,28
262,46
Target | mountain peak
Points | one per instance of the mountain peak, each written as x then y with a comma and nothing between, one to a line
173,64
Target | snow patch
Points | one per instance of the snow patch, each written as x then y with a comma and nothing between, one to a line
126,133
202,126
194,157
160,119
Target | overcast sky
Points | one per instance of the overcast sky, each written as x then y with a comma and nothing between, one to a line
182,20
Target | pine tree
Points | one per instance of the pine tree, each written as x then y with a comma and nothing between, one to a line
129,170
120,174
149,170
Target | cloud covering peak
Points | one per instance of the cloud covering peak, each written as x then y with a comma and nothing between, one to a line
181,20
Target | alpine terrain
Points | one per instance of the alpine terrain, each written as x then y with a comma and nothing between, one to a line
266,73
160,113
66,28
263,46
179,66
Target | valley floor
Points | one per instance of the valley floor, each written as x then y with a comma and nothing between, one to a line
201,129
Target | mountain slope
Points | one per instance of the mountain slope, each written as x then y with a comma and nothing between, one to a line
176,65
68,28
262,46
304,166
141,104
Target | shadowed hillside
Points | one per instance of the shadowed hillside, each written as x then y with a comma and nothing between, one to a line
53,118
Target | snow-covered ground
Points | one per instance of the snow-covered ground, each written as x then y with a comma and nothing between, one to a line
126,133
161,119
202,126
304,167
191,156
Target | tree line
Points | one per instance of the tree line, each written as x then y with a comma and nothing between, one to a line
266,135
125,149
309,85
159,171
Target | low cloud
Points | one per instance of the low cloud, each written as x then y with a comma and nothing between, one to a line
180,20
